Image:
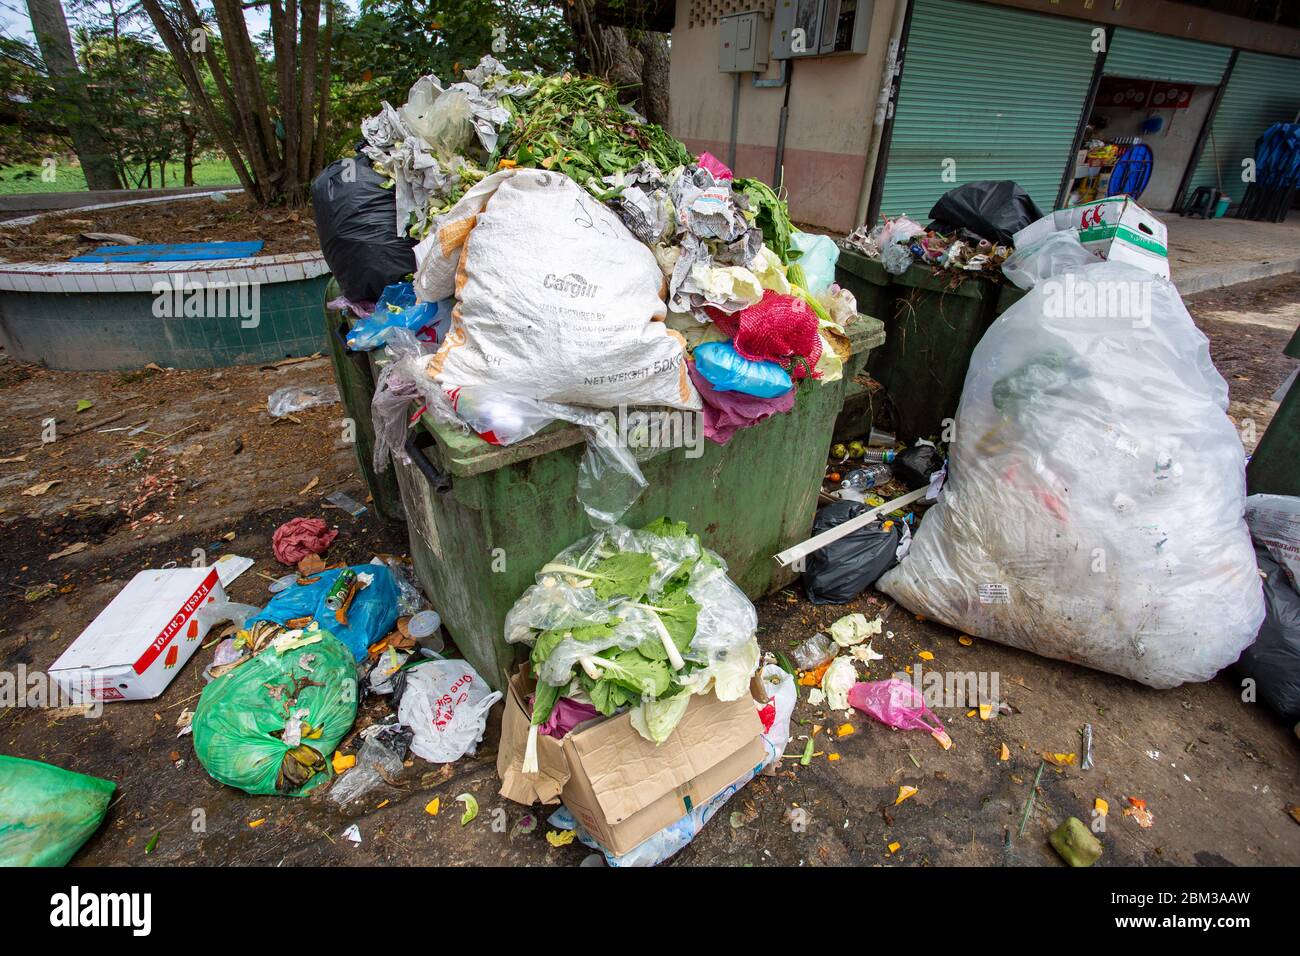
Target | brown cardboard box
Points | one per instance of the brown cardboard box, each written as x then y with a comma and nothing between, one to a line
621,787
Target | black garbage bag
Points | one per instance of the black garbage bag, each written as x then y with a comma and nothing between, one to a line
1273,661
845,568
356,220
914,466
992,209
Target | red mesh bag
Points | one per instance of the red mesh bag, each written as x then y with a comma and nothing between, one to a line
779,328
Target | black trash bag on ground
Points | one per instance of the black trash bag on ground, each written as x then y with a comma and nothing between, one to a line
1273,661
356,221
992,209
845,568
914,466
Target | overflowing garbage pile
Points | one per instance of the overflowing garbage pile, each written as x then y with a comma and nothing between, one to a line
971,231
633,620
573,257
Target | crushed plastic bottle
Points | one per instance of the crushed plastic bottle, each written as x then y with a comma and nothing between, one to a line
871,476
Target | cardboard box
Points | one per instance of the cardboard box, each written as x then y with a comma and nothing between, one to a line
1116,228
140,641
621,787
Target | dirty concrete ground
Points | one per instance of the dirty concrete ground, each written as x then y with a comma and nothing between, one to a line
1217,774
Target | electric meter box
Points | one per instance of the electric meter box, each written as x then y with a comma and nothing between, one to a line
802,28
744,43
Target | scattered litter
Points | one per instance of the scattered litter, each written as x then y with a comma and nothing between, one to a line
854,629
295,398
1075,843
1086,734
558,838
1137,809
898,704
433,806
839,680
299,537
353,834
337,499
813,653
471,807
904,792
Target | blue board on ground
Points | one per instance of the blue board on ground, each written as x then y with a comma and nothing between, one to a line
172,252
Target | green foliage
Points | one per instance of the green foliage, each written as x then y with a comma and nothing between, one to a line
392,43
575,124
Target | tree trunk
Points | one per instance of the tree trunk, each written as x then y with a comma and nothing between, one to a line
191,133
51,29
634,60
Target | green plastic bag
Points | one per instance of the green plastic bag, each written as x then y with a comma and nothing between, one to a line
46,813
244,716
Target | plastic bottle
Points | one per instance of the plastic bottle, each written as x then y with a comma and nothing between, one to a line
879,455
872,476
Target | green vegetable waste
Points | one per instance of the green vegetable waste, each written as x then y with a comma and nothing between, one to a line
616,620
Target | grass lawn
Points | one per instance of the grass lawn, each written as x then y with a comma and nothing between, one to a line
68,178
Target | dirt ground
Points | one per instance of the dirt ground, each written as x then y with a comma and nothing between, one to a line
57,236
1217,774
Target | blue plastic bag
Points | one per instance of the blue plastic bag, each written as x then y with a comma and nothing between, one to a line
372,615
372,331
818,257
729,371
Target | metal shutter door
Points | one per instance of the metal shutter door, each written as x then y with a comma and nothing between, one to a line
1149,56
1262,90
997,90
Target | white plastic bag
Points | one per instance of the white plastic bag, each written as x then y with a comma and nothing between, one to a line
1094,501
576,317
446,703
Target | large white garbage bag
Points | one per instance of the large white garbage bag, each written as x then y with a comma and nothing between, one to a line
1094,505
555,299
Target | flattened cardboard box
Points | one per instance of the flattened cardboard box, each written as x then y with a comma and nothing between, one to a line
137,644
621,787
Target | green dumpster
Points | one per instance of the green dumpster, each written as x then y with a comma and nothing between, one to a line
483,518
356,383
932,325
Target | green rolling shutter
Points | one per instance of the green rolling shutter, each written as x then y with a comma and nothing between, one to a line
1262,90
1149,56
997,90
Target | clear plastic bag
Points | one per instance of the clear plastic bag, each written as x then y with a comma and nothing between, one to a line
1094,500
295,398
375,762
723,645
817,260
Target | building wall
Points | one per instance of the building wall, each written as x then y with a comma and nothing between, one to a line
832,102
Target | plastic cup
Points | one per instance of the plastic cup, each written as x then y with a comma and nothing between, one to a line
424,627
423,624
282,584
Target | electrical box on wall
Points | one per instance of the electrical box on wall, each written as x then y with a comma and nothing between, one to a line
802,28
744,43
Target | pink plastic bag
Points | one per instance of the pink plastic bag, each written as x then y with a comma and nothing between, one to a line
897,704
714,165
